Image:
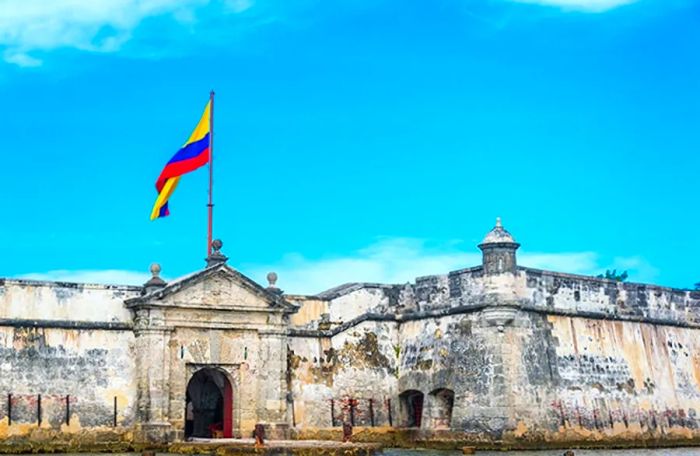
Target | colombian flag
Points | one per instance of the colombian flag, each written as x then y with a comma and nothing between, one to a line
192,155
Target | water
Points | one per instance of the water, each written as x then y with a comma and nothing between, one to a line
396,452
634,452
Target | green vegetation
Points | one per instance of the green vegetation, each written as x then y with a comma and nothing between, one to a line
613,275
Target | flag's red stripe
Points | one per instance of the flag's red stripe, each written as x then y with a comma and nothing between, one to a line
181,167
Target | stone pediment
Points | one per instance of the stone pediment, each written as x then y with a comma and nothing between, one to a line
216,287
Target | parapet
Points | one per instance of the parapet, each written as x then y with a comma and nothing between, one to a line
64,303
585,296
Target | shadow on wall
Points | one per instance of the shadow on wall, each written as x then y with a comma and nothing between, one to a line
208,398
437,410
411,408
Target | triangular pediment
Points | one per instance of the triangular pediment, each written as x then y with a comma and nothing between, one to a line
216,287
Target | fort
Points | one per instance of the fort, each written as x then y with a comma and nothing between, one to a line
492,355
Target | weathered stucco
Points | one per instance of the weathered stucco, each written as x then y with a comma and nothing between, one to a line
523,357
220,320
59,301
69,379
496,354
66,360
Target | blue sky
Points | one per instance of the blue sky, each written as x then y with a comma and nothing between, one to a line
355,140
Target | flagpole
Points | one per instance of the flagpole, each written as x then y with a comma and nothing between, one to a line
210,206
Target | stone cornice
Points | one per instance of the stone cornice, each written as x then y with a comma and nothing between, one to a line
258,327
459,310
218,308
66,324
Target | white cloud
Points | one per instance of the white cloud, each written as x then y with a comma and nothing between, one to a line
101,276
639,268
28,27
387,261
390,261
21,59
399,261
592,6
571,262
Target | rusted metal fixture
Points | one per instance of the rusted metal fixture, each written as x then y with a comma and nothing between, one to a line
388,406
259,434
332,413
347,432
351,403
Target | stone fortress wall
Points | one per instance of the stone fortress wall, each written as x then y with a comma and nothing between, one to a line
494,353
515,354
66,358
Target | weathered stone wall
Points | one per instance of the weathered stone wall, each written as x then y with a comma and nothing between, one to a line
240,355
66,358
530,356
587,296
86,369
214,320
586,379
353,373
517,355
455,353
311,311
350,301
58,301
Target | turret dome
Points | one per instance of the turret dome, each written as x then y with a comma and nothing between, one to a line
498,249
498,235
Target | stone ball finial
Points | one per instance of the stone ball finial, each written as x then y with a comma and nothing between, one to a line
272,279
155,282
216,257
155,269
272,283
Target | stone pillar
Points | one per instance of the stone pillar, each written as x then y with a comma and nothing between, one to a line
153,374
152,366
272,390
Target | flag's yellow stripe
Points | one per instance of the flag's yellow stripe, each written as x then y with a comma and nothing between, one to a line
202,127
164,195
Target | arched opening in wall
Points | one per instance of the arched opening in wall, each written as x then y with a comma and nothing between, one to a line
411,408
209,405
441,403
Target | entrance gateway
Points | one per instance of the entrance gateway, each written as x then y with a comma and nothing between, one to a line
209,405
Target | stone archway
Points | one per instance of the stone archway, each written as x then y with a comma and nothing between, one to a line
441,402
209,403
411,407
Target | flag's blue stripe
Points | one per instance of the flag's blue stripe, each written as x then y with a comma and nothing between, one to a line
191,150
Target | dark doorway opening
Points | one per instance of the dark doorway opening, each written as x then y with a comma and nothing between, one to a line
441,404
209,405
411,408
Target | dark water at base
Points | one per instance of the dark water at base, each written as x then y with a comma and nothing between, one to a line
635,452
393,452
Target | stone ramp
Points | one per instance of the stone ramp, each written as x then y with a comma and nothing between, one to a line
225,447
